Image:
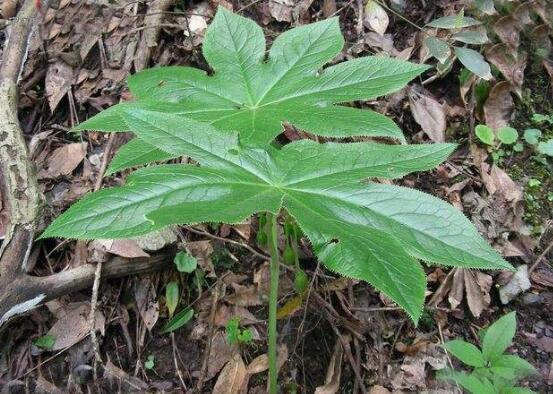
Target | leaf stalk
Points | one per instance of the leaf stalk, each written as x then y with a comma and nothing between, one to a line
273,301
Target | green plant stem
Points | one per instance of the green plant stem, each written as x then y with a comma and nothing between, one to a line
273,299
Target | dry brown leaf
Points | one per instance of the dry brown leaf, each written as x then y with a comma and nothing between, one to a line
245,296
379,390
412,373
131,382
281,10
543,276
376,17
499,106
477,285
148,306
232,376
499,183
8,9
120,247
202,251
507,31
459,281
156,240
334,371
329,8
58,81
261,363
512,67
540,39
73,325
220,354
64,160
429,114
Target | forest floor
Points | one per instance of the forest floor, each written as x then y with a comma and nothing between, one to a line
344,336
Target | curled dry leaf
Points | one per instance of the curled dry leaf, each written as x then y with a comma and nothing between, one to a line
281,10
73,326
148,306
376,17
548,65
232,376
63,160
459,281
512,67
202,251
120,247
156,240
508,32
413,371
261,363
429,114
59,78
499,106
220,354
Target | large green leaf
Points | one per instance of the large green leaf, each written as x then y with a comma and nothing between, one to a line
360,229
499,336
254,95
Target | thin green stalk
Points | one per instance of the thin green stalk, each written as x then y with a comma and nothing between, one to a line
273,299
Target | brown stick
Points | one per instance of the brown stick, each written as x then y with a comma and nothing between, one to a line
27,292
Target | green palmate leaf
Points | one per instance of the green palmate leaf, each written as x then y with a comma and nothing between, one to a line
254,95
474,62
369,231
136,153
498,337
466,352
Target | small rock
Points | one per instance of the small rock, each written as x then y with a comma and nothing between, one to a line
519,283
83,374
531,298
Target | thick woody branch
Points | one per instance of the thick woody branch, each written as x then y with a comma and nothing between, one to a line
18,182
19,190
27,292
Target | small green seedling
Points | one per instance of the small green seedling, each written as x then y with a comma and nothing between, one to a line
185,262
45,342
540,119
493,371
504,136
172,296
179,320
237,335
227,123
150,362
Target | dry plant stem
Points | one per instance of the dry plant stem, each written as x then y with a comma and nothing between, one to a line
273,301
541,258
98,271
